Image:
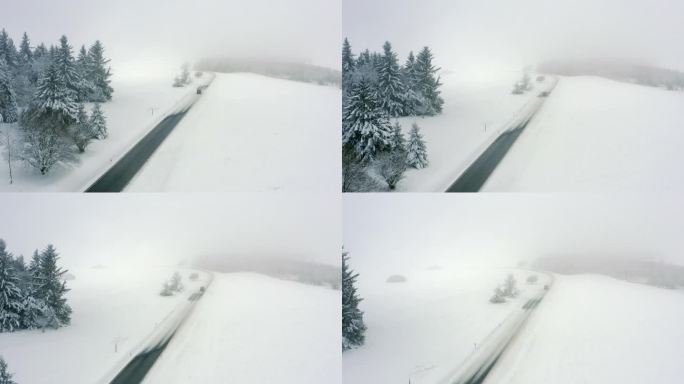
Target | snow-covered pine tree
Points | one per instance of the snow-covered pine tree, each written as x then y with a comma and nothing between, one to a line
413,95
53,288
10,294
391,89
428,83
365,126
98,123
8,100
498,297
166,289
353,328
68,70
11,54
417,152
25,53
348,65
184,78
510,288
99,74
5,375
398,140
81,132
54,97
364,58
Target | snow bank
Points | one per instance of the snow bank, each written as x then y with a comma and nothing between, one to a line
455,138
594,135
249,328
129,117
427,327
252,133
110,306
595,329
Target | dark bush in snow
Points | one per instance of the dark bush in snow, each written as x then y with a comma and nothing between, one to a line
499,296
396,279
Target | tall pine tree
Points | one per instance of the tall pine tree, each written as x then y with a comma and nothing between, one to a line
98,123
68,70
353,328
54,97
428,84
52,289
390,86
365,126
25,53
348,65
8,100
99,74
10,294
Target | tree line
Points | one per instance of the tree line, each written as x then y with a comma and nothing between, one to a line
44,90
377,88
32,296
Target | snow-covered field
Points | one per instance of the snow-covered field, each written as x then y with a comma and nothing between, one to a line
426,328
455,138
595,135
251,133
249,328
111,308
595,329
137,105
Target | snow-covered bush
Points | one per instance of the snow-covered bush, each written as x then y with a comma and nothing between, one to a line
391,165
510,288
396,279
499,296
166,289
193,276
184,78
532,279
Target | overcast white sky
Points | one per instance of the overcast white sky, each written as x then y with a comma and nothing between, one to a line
150,33
163,229
390,232
504,33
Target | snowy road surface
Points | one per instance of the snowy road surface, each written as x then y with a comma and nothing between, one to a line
251,133
135,371
478,367
476,175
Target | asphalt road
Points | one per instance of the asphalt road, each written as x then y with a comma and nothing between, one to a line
479,171
121,173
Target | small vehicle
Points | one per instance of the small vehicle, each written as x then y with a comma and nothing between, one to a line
544,94
199,90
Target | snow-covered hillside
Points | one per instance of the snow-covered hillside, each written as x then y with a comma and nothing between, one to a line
114,311
595,329
137,105
250,328
251,133
595,134
426,328
455,138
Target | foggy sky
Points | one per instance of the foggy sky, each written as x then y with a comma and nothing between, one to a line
511,34
389,233
151,33
164,229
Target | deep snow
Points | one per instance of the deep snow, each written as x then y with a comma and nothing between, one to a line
596,329
455,138
249,328
137,105
427,328
110,306
598,135
251,133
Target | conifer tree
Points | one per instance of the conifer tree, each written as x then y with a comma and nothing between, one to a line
99,74
398,140
25,53
55,98
353,328
365,126
68,71
8,100
413,95
416,150
98,123
348,65
53,288
428,83
390,87
81,132
5,375
10,294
